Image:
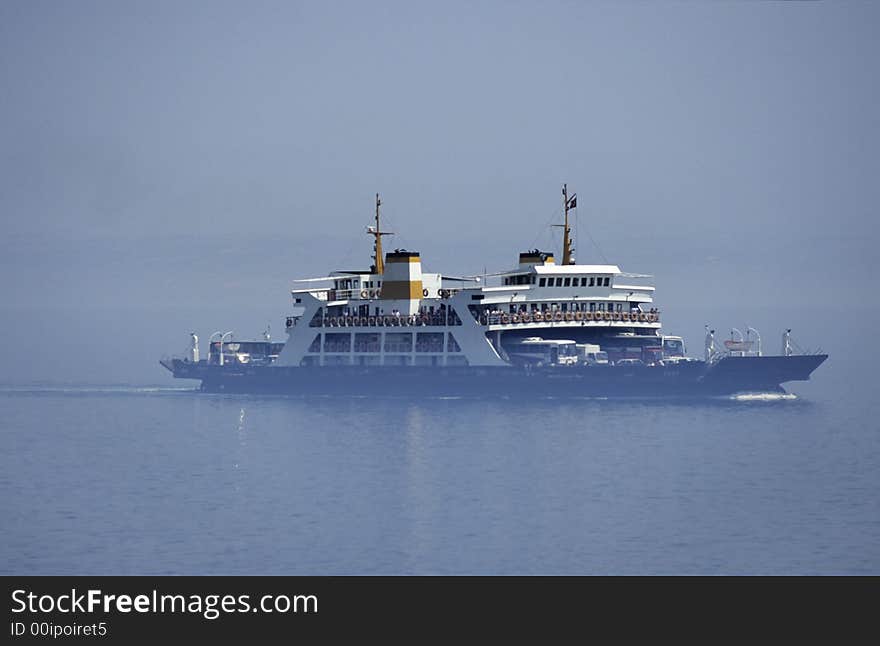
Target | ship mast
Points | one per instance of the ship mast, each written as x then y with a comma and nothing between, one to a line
377,233
568,203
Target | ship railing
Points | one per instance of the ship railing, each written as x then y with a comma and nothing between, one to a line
530,318
341,294
331,294
328,293
416,320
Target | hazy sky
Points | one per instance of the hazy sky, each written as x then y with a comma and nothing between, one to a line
168,166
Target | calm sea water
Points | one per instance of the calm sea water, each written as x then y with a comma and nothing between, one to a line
125,480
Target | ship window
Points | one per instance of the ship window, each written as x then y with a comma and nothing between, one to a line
559,282
532,279
429,342
584,281
453,344
592,281
592,307
366,342
316,344
605,282
398,341
543,282
567,282
337,342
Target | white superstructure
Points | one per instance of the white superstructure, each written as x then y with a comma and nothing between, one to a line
397,314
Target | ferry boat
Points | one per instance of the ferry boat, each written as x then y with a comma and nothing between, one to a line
542,328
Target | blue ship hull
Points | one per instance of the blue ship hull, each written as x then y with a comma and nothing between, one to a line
730,375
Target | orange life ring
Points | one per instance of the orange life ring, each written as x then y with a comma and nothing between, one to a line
569,316
578,316
616,316
364,293
625,316
515,318
348,320
606,316
526,318
539,317
371,320
557,316
588,316
332,320
642,317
